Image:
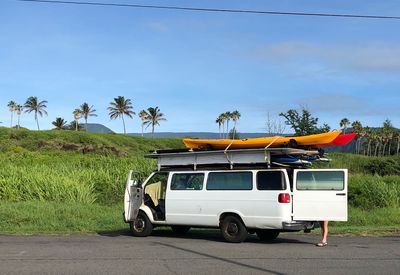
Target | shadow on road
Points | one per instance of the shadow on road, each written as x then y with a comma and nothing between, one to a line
210,256
199,234
115,233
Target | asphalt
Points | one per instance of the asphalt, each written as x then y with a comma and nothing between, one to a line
199,252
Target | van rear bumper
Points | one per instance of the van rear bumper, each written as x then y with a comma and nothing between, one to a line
298,225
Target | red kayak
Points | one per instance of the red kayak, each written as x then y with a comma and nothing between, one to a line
339,140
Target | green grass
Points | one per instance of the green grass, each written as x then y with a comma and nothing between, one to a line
34,217
69,182
51,217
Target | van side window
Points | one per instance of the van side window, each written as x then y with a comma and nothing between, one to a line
230,181
271,180
187,181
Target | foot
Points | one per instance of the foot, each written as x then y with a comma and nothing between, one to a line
322,244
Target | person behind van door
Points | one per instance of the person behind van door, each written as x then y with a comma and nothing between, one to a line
324,231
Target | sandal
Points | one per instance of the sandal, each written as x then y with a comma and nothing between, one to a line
322,244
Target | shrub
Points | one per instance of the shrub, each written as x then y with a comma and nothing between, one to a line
383,166
368,192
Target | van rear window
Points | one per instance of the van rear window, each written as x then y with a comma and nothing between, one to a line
271,180
230,181
320,180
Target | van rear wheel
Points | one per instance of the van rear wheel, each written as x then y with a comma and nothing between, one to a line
267,234
180,229
233,229
141,226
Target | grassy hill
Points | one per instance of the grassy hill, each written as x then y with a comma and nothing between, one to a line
66,181
70,166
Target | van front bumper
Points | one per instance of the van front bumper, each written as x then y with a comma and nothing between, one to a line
298,225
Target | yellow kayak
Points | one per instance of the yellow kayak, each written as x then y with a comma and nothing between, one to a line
252,143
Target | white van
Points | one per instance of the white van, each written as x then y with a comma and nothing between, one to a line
239,201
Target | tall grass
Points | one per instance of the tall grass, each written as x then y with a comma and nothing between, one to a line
359,164
67,177
369,192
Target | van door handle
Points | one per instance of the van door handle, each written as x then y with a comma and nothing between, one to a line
340,194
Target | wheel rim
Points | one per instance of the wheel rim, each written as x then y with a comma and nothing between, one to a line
232,229
139,224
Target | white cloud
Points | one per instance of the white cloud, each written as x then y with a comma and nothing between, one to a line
368,58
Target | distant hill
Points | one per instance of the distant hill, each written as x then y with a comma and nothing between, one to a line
98,128
205,135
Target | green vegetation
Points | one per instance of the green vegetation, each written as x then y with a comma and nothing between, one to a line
71,181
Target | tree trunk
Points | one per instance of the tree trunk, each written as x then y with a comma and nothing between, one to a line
355,151
123,122
11,118
390,147
37,121
376,149
76,125
383,149
152,130
227,129
18,121
85,124
142,129
398,145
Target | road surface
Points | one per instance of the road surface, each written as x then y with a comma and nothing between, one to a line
199,252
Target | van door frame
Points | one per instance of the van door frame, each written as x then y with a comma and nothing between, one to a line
320,204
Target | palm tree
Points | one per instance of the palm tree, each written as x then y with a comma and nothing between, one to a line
235,115
220,121
143,115
387,135
222,118
344,123
32,104
357,128
86,112
228,116
153,117
59,123
18,110
11,107
77,115
120,107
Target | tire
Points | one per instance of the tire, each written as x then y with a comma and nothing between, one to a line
180,229
233,229
267,234
141,226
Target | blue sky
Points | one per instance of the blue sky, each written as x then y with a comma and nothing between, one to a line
194,66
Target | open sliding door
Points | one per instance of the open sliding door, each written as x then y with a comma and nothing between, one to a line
320,194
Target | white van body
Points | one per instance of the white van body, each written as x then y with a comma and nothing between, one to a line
277,199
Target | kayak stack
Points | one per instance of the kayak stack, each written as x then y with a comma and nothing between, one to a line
294,151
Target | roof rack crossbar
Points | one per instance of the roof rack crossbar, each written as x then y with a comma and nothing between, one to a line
227,157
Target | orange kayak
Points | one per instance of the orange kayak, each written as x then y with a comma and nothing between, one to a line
252,143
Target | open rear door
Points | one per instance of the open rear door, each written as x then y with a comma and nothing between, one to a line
133,197
320,194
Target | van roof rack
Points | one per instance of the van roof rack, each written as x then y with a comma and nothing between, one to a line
263,157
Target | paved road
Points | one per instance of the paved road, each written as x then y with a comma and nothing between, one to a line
196,253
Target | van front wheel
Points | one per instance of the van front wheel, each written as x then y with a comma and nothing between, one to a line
233,229
141,226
